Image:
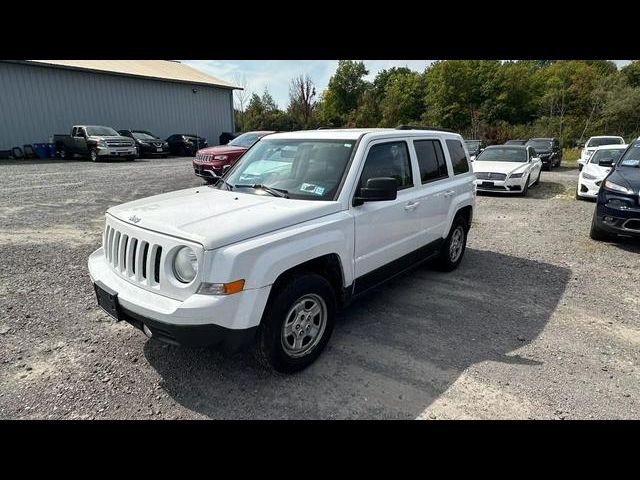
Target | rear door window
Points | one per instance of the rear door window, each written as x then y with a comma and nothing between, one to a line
431,160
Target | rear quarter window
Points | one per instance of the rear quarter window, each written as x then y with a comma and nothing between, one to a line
458,157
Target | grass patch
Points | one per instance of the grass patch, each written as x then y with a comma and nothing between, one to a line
570,157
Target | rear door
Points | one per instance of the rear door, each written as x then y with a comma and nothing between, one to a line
386,230
434,188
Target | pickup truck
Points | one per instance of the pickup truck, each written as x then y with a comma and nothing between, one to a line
300,225
94,142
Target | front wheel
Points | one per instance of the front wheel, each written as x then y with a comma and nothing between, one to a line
538,179
597,233
454,246
93,155
296,324
525,189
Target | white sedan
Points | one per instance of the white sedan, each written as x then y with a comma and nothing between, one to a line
593,173
507,169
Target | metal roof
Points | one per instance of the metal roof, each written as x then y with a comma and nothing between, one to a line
171,70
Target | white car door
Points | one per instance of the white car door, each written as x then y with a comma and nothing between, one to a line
386,230
434,187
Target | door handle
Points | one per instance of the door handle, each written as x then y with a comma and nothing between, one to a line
411,206
449,193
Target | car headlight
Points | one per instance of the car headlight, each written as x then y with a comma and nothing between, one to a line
588,176
609,185
102,143
516,175
185,265
219,157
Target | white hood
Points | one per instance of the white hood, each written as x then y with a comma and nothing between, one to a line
215,217
595,170
498,167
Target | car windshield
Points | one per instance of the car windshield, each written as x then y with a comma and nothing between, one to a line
472,145
505,154
631,157
612,153
245,140
143,136
540,145
101,132
596,142
303,169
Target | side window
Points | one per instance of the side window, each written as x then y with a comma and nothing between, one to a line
80,132
458,157
431,160
388,160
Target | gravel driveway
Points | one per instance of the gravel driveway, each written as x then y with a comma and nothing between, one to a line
538,322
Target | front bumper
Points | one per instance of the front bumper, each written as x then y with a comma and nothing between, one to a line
622,221
152,150
588,188
198,320
206,170
509,185
114,152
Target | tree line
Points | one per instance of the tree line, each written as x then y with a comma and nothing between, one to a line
489,100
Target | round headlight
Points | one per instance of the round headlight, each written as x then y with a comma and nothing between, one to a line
185,265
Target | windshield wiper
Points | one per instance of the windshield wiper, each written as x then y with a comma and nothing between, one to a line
229,186
276,192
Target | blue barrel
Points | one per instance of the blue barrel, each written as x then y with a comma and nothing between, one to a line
41,149
51,147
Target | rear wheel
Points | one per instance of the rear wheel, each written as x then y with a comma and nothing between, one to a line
296,324
454,246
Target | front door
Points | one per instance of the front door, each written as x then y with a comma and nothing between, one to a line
387,230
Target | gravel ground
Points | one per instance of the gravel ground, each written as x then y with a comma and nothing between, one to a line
538,322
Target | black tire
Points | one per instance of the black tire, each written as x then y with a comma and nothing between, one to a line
447,261
525,189
598,234
538,179
578,197
63,154
93,155
268,346
132,158
580,167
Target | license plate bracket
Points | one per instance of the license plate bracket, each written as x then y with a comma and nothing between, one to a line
108,300
487,184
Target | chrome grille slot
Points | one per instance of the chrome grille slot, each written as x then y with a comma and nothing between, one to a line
139,256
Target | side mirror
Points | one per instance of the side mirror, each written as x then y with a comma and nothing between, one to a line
378,189
606,162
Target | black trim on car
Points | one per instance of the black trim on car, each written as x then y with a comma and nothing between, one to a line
392,269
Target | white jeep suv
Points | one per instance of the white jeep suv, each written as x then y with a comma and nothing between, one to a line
301,224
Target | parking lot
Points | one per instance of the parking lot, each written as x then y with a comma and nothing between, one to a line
538,322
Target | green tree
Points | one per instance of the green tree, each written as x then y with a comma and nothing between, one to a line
346,87
632,72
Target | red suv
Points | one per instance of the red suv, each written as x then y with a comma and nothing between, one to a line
209,162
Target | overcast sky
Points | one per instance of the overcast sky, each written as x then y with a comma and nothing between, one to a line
277,74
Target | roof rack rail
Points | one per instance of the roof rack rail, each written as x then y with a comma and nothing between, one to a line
420,127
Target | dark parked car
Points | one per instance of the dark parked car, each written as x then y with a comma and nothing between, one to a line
474,147
618,204
518,141
186,144
549,151
147,143
210,162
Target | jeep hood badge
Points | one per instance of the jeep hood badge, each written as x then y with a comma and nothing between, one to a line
134,219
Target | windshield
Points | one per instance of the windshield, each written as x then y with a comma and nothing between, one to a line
596,142
473,146
304,169
102,132
631,157
245,140
612,153
503,154
143,136
540,145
